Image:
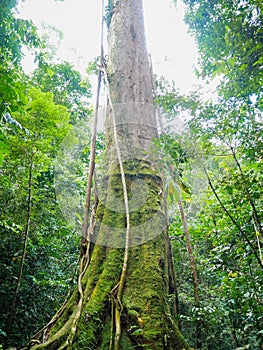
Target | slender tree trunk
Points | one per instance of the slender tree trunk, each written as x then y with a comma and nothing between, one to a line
236,224
194,272
255,214
24,250
122,297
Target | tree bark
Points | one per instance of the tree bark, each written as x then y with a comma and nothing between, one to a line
125,287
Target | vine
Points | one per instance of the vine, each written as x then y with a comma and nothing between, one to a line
24,249
86,229
120,285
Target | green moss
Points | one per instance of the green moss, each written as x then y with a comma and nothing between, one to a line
137,167
145,316
88,282
66,315
95,310
146,303
57,339
111,208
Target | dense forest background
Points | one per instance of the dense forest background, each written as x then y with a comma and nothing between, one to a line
212,167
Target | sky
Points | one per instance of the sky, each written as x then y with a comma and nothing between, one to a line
173,51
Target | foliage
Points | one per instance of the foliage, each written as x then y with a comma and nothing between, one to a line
226,138
68,88
46,125
216,169
35,116
222,140
14,33
229,35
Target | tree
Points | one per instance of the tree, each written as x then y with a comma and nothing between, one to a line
229,36
226,144
31,158
32,229
226,138
14,33
69,90
122,299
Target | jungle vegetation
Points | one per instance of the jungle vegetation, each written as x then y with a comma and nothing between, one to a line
211,175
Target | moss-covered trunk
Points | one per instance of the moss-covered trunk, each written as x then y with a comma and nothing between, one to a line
127,280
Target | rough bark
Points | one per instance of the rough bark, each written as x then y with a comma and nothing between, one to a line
143,308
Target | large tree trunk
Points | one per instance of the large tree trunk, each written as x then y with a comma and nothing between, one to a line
123,300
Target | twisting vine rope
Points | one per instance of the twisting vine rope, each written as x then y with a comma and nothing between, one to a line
120,285
85,231
85,260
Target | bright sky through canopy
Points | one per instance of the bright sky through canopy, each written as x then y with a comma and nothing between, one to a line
173,51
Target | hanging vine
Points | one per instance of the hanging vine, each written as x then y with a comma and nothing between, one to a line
120,285
86,228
